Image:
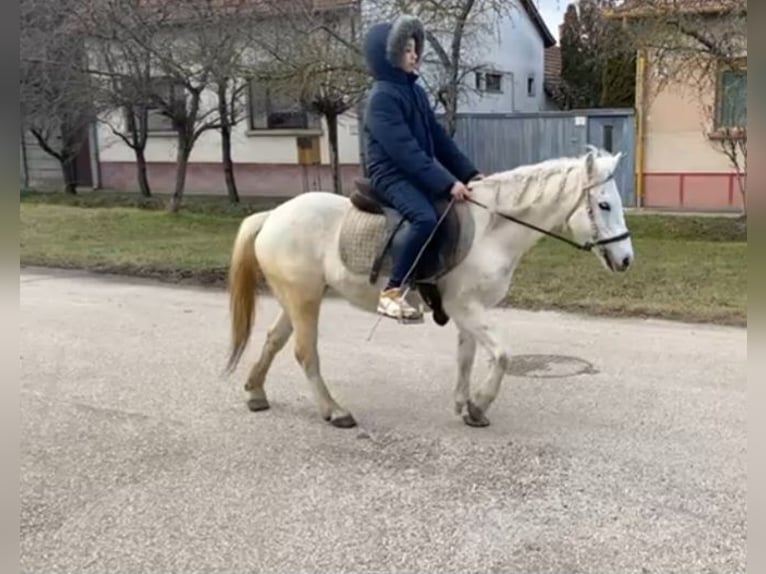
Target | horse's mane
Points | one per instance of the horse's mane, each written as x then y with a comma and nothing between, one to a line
549,182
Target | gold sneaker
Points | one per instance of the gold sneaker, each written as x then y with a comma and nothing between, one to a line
393,304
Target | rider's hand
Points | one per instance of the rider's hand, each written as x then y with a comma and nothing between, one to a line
460,191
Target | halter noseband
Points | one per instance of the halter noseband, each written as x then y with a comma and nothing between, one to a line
596,242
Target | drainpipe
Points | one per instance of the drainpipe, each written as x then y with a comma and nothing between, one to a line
24,160
640,121
95,159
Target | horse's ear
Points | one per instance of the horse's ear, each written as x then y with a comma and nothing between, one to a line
590,163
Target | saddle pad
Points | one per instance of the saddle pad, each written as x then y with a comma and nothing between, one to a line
362,236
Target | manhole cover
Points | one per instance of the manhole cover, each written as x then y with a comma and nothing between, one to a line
549,366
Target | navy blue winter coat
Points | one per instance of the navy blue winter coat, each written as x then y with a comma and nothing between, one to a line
404,143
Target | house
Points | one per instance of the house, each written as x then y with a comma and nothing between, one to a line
281,150
278,148
509,63
681,120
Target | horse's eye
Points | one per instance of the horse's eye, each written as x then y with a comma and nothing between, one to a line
605,206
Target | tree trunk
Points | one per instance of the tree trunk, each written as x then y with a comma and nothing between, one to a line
455,51
450,111
742,174
143,180
225,119
448,99
332,136
182,161
136,139
69,174
228,164
743,191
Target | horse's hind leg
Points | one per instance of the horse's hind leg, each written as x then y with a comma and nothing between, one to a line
278,334
304,313
466,353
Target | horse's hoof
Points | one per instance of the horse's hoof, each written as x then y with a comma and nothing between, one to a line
472,422
475,417
256,405
344,422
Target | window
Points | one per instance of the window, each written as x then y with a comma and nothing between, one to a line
731,101
273,110
491,82
531,86
166,96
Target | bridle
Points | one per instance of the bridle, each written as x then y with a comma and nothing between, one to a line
589,245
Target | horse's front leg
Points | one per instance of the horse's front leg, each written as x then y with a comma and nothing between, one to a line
466,353
475,319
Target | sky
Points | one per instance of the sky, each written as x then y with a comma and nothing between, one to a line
552,12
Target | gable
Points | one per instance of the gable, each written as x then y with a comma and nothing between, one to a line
538,22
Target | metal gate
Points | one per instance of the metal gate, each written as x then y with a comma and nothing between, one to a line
498,142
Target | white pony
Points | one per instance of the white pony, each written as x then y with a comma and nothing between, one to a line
295,248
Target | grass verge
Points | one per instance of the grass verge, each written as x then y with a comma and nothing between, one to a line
691,269
202,204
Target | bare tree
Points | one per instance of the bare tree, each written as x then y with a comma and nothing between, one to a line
57,106
688,39
700,49
120,63
732,143
230,92
457,32
193,50
186,60
228,45
180,61
316,57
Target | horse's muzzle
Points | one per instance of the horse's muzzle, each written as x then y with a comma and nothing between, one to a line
617,266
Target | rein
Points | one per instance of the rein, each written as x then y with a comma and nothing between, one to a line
588,246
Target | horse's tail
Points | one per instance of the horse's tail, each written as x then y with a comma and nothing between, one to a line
243,279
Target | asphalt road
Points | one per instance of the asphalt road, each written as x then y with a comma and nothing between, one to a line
615,445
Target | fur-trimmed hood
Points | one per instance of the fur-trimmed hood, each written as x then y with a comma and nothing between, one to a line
385,44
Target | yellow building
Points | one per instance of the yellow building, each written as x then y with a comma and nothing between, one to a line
683,120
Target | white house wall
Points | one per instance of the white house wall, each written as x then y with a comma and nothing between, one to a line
265,162
518,52
248,146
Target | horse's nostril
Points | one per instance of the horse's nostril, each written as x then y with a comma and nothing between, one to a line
625,262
